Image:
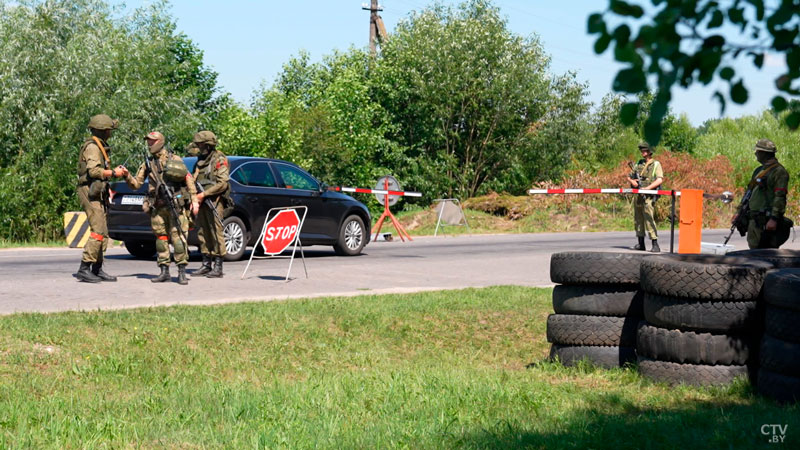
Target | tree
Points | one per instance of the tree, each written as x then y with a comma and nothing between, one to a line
683,42
66,60
474,104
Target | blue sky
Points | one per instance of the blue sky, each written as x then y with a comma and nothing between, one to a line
248,41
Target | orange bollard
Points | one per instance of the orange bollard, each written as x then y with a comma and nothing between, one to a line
691,221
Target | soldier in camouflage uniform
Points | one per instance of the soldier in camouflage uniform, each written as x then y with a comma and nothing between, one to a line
648,175
211,172
94,171
770,182
171,170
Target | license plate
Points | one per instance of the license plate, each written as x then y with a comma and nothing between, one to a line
132,200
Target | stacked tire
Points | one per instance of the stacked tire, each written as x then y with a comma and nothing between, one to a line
779,258
701,318
779,374
597,306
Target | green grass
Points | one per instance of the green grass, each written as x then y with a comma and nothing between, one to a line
5,243
430,370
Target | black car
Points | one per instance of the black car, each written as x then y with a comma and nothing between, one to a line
257,184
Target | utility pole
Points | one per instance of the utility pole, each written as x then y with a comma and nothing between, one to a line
377,32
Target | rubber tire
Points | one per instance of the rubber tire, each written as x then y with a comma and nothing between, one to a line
601,356
781,388
696,315
782,288
782,324
693,374
690,347
710,277
599,300
340,247
233,221
573,329
780,356
779,258
595,267
141,249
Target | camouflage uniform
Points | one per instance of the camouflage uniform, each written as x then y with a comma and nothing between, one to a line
92,190
212,173
161,219
644,205
768,198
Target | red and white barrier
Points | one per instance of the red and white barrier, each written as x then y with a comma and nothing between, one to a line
375,191
602,191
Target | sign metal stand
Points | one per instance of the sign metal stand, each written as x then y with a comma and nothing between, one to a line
294,242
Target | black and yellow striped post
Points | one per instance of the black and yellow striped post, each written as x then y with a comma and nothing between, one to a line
76,229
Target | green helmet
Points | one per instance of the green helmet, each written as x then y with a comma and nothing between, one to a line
765,145
103,122
205,137
645,146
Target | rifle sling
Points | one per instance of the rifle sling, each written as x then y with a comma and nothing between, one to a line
761,174
102,149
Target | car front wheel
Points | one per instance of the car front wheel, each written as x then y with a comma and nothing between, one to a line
235,238
141,249
352,237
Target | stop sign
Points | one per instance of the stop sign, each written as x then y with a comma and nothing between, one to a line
281,231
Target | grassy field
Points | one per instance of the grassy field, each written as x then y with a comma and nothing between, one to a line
447,369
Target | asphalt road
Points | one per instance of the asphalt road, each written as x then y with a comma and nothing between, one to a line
41,279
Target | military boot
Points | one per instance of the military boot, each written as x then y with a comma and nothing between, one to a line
655,248
85,273
97,269
164,275
640,245
182,275
216,272
205,268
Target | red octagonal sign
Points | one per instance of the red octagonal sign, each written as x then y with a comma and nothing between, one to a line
281,231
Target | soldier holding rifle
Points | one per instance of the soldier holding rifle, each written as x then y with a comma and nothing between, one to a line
647,174
761,212
171,195
211,173
94,171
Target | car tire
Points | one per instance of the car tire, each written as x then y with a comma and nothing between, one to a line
781,288
595,267
778,257
699,315
782,323
352,237
235,238
782,388
607,357
708,277
690,347
623,300
694,374
780,356
573,329
141,249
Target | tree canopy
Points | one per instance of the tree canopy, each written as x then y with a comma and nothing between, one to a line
670,43
66,60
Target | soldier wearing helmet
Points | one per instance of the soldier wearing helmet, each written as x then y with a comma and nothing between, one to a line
211,172
169,169
647,174
767,227
94,173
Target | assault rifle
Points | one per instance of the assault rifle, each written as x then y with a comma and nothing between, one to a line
742,216
164,193
634,175
208,202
